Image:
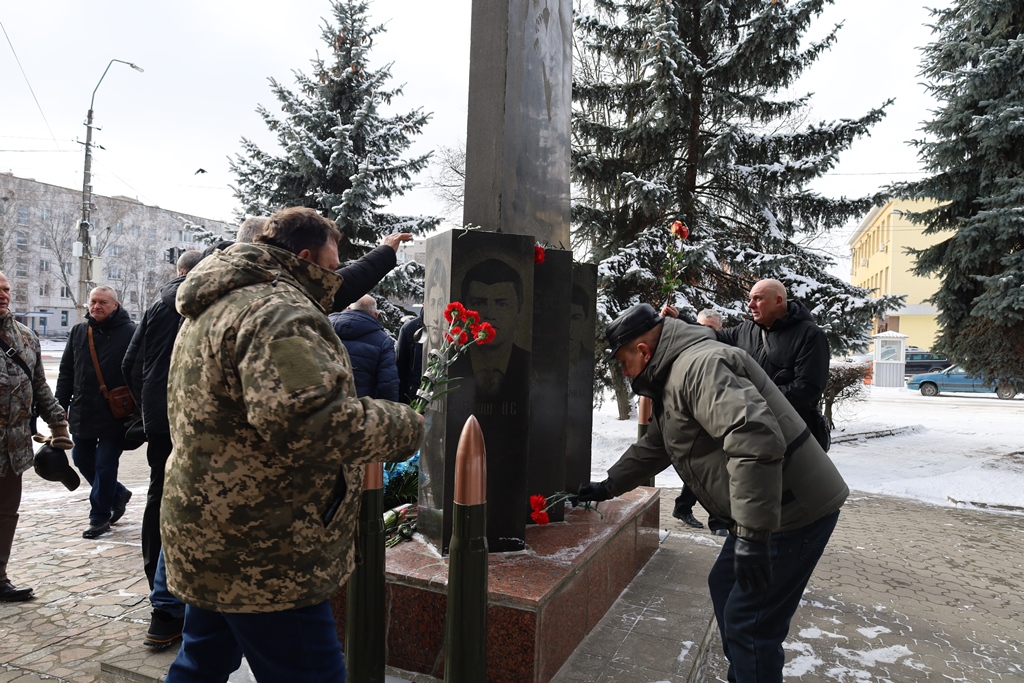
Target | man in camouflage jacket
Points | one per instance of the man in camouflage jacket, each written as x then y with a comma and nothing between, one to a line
269,438
18,391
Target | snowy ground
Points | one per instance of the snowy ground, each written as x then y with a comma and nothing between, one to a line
957,449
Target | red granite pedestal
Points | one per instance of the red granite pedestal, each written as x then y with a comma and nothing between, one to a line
541,601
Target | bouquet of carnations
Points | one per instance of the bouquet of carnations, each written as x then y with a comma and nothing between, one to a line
464,330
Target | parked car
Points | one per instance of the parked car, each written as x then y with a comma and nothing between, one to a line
955,379
920,360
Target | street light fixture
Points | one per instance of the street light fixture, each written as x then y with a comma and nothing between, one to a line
85,259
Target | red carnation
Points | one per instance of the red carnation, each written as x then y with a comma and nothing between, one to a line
540,517
538,502
454,311
484,333
538,257
470,318
680,230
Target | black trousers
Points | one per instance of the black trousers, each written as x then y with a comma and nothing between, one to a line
685,501
157,451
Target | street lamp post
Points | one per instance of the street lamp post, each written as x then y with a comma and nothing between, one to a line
85,260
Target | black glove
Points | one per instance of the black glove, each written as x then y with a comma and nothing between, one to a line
752,563
592,493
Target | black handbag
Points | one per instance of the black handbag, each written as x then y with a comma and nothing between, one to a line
134,433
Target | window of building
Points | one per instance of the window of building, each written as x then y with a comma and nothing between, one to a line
44,266
44,289
23,216
114,273
63,317
133,297
21,267
69,267
21,239
118,228
65,293
115,250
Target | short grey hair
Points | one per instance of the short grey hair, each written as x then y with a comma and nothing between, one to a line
366,304
250,227
710,314
105,288
188,260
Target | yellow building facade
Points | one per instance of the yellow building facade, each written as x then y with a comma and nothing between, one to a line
879,262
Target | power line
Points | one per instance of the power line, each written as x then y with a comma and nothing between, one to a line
29,84
24,137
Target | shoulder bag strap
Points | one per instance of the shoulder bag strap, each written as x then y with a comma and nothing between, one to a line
96,365
12,353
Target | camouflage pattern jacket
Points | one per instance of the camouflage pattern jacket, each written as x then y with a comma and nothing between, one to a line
17,392
264,416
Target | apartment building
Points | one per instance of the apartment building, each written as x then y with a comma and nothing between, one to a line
879,262
39,229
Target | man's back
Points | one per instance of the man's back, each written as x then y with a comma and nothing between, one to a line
152,346
372,352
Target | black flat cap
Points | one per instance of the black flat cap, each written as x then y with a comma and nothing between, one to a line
52,464
630,325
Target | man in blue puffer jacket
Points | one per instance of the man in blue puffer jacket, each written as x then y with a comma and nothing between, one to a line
370,348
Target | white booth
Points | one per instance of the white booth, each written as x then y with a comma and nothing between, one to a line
889,364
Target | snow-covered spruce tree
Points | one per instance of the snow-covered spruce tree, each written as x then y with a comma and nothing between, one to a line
975,154
679,115
338,154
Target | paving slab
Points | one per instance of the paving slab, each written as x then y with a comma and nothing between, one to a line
909,592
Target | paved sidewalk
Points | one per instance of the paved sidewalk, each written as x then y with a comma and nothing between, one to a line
910,592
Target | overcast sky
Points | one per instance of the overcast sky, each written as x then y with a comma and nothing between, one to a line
207,63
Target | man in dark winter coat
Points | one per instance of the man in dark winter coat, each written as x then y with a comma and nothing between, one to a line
409,358
96,432
742,448
151,346
370,348
790,347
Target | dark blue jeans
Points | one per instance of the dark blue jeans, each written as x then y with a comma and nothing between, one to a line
753,624
296,645
160,597
97,460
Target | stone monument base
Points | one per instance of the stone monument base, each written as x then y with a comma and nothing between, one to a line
542,601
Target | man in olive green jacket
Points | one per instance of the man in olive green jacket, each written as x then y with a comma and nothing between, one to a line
262,491
736,441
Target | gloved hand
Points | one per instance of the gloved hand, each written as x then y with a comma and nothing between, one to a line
592,493
60,437
752,562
